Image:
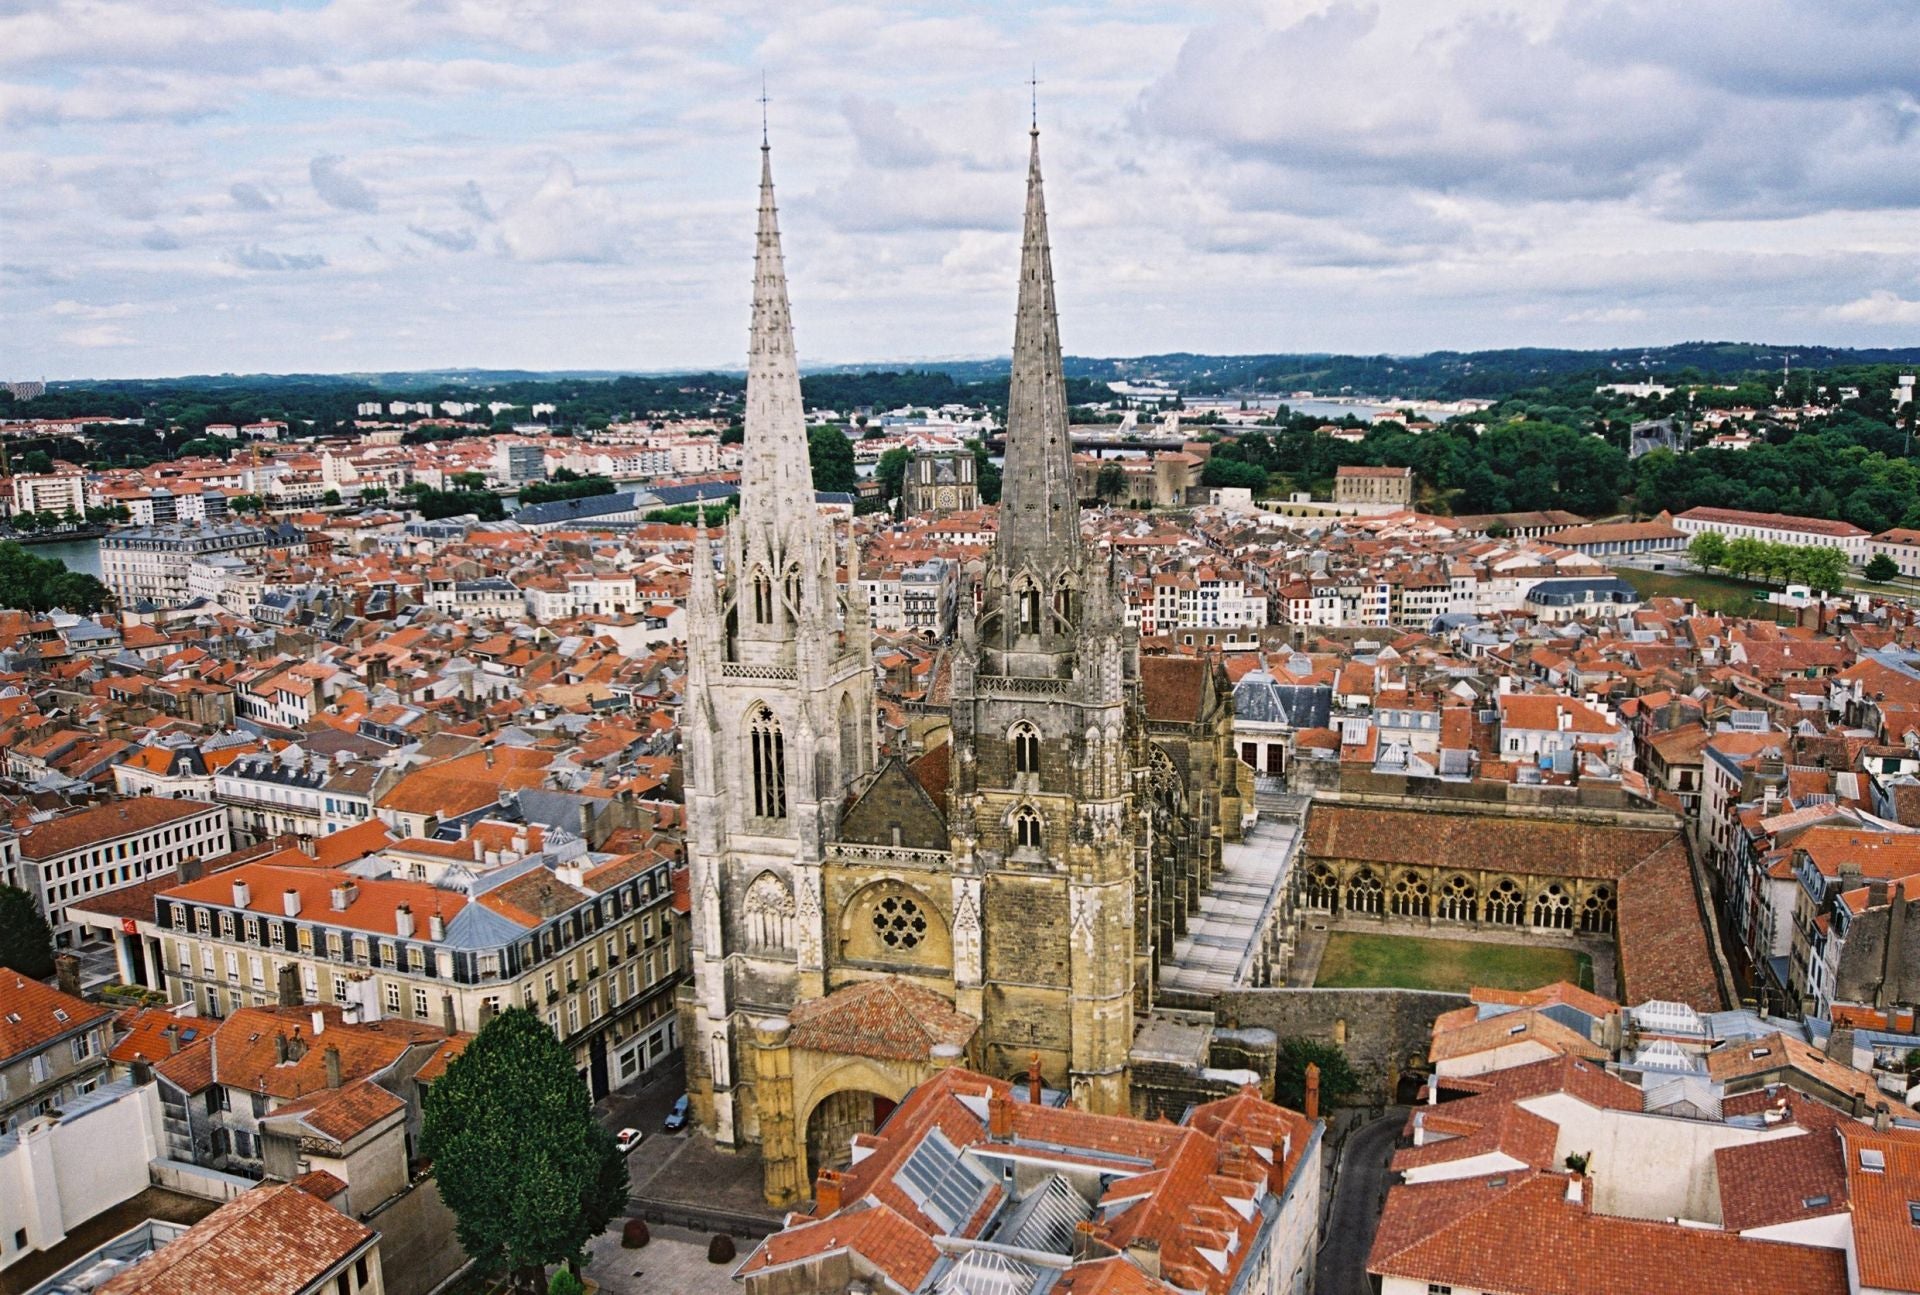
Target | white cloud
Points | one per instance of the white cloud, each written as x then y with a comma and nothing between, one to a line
255,257
1880,307
99,337
563,220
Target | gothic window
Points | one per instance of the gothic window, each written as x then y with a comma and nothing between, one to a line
1026,828
1410,897
899,922
1063,605
1026,748
1596,914
1457,899
1322,888
762,598
1029,609
1553,909
1364,893
849,739
1506,903
769,913
793,589
769,757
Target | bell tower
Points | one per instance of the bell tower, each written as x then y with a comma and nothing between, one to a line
778,722
1039,794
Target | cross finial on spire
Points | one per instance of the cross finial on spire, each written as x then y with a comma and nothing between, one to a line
1033,92
763,110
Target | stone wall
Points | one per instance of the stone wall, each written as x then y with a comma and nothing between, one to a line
418,1248
1383,1031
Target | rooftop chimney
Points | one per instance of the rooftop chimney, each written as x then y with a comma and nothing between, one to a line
1033,1078
1576,1188
1000,1118
280,1049
332,1058
436,927
66,971
290,902
1313,1091
826,1193
173,1038
242,893
403,922
343,895
319,1022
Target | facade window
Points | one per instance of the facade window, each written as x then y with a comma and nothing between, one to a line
769,758
1026,748
899,922
1029,610
419,1001
1026,828
762,598
393,997
573,1015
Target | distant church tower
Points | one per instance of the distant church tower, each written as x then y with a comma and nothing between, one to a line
778,723
1039,793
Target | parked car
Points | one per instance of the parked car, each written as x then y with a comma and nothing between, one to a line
628,1139
677,1117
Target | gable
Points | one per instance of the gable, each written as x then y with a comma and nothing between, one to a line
895,800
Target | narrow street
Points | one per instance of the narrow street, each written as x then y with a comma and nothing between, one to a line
1359,1191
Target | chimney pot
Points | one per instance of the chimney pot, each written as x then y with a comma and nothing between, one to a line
403,922
280,1049
826,1193
1033,1078
1000,1118
290,902
1576,1188
436,927
1313,1091
241,894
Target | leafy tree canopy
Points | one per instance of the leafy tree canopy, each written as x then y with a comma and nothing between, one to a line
484,504
39,584
831,454
1337,1080
529,1174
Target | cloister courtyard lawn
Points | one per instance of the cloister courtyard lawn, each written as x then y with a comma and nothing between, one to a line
1362,960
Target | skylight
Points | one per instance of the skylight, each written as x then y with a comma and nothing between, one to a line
1873,1160
940,1182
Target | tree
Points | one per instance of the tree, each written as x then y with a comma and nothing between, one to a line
26,941
469,481
30,583
565,1283
331,499
831,454
1745,556
1882,568
1110,483
484,504
1707,550
891,472
1821,568
1337,1080
527,1171
986,474
373,494
36,461
248,504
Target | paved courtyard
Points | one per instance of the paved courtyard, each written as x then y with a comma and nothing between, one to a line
673,1263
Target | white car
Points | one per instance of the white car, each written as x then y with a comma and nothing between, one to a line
627,1139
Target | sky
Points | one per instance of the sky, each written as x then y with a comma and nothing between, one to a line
351,185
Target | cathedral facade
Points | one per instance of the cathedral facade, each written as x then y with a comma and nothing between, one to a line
1002,900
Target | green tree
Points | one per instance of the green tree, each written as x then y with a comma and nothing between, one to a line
1745,556
469,481
831,454
26,521
1234,472
26,941
1882,568
373,494
484,504
37,584
37,461
527,1171
891,472
565,1283
248,504
1707,550
1337,1080
1110,483
571,487
986,474
331,499
1821,568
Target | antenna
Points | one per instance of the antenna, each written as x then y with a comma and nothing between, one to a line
763,108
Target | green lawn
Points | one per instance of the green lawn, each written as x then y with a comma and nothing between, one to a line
1358,960
1713,593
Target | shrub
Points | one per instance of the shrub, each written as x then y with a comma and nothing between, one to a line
565,1283
720,1249
634,1234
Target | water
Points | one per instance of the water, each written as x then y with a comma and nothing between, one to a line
79,555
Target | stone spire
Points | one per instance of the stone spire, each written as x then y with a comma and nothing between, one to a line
776,479
1039,508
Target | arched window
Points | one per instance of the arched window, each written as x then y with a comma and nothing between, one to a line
1063,604
769,753
849,739
1029,609
1322,887
1026,748
769,912
1026,828
1365,894
793,590
1505,904
1410,897
1457,899
762,598
1596,914
1553,908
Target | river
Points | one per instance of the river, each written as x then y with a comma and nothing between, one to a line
79,555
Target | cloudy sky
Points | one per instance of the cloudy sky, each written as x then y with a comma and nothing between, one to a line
327,185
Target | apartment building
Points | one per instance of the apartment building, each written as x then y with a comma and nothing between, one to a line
53,1048
80,854
58,493
447,932
150,563
1776,528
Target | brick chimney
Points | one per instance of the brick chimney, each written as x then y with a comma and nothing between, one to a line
1313,1091
1000,1118
66,974
826,1193
1033,1078
332,1059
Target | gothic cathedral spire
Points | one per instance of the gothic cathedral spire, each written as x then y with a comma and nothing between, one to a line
776,481
1039,508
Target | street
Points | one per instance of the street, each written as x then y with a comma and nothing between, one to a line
643,1105
1358,1194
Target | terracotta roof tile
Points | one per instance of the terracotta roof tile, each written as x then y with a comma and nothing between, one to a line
272,1240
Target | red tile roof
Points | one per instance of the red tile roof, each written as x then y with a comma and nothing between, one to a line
1886,1234
86,827
273,1240
891,1018
32,1015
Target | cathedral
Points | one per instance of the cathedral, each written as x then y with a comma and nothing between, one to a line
1000,900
